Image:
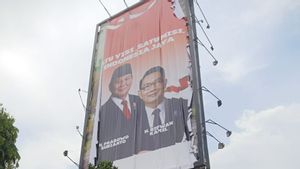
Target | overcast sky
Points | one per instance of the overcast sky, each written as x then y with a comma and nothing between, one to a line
45,56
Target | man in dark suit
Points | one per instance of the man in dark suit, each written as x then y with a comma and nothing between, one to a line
118,117
165,120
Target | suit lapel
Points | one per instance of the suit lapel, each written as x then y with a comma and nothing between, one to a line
168,110
117,110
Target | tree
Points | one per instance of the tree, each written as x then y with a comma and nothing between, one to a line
9,156
103,165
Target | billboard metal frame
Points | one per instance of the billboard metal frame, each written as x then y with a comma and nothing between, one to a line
203,156
89,97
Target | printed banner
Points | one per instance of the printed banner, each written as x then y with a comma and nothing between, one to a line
141,104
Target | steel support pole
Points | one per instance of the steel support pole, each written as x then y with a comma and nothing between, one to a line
197,91
83,163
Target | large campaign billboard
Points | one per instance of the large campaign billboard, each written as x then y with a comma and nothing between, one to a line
139,112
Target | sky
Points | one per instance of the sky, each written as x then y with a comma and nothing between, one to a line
45,57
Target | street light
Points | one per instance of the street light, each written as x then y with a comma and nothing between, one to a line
77,128
228,132
220,144
219,102
66,155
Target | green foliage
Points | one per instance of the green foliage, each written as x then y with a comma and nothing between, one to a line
9,156
103,165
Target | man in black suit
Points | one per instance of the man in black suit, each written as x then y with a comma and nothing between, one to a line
118,117
165,120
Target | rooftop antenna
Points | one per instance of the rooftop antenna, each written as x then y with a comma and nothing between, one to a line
105,8
219,102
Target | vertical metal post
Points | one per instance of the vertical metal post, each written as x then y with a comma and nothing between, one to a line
197,91
83,164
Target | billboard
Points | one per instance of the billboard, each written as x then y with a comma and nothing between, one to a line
140,104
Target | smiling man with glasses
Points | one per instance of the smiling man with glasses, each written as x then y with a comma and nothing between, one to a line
165,120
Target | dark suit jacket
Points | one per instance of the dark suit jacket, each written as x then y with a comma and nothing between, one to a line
176,112
116,134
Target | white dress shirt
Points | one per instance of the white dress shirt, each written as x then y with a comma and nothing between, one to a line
118,102
162,113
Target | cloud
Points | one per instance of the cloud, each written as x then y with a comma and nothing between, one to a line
268,11
45,56
238,68
244,37
15,65
267,139
46,151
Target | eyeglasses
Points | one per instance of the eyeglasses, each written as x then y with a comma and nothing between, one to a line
147,86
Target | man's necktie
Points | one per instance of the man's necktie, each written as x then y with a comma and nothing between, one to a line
156,120
126,111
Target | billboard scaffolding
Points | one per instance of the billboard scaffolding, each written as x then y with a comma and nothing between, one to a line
144,107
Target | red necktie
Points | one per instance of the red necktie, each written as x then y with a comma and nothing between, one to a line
126,111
